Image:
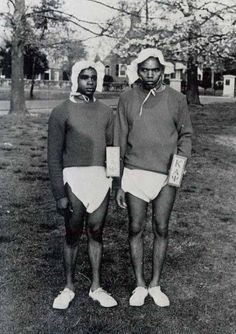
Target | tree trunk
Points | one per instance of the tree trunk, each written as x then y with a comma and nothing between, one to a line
17,103
192,82
32,80
32,88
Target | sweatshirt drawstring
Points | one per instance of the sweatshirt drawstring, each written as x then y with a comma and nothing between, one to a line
152,91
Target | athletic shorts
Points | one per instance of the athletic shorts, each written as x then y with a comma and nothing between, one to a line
89,184
143,184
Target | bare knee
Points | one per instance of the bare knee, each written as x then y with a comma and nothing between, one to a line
136,228
160,230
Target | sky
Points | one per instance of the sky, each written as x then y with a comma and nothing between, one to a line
83,9
86,10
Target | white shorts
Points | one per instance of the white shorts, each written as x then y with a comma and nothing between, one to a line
89,184
143,184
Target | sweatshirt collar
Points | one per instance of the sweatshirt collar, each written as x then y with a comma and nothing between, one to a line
80,98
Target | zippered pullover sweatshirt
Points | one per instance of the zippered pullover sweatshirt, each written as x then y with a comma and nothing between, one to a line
78,134
148,139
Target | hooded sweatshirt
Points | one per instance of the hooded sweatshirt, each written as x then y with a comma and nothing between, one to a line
78,134
150,130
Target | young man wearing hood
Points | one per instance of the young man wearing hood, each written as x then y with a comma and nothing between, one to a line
79,130
152,124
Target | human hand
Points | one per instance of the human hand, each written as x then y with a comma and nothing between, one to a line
62,205
120,199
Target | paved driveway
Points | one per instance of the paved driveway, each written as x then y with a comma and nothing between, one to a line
45,105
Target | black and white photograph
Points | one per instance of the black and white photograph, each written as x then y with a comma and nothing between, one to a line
117,166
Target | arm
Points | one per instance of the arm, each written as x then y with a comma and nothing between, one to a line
121,132
110,129
120,139
185,130
56,138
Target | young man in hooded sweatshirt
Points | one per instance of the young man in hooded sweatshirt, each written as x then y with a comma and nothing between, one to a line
79,131
152,124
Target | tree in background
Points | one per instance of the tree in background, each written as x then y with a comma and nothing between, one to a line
203,34
26,32
5,60
206,80
196,32
35,61
42,26
68,51
19,32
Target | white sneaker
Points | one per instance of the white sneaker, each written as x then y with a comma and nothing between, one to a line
138,296
103,297
63,300
158,296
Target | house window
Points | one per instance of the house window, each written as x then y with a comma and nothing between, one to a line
227,82
122,70
172,76
47,75
107,70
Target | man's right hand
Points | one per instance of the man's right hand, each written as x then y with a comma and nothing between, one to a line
120,199
62,205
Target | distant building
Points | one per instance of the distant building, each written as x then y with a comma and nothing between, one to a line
115,66
55,72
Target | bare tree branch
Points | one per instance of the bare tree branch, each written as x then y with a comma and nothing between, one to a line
135,13
62,13
12,2
115,8
98,34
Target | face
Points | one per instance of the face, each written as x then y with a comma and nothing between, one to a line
150,72
87,82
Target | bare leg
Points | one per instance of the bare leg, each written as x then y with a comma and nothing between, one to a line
162,207
137,213
95,223
74,229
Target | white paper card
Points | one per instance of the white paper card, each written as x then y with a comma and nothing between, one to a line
177,170
113,161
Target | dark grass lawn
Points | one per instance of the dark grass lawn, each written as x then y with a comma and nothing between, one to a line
199,275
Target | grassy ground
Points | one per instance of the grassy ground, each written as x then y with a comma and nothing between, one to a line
199,274
62,93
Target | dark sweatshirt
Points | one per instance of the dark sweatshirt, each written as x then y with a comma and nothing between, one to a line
148,141
78,134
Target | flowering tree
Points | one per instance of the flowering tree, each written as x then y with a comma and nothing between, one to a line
198,32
